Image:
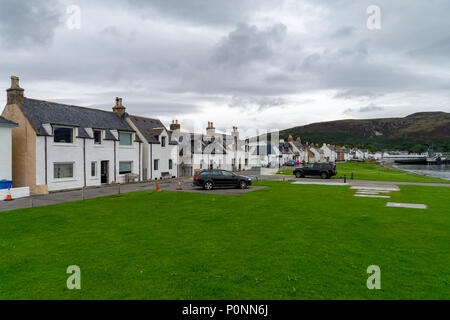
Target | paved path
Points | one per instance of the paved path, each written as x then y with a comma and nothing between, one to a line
89,193
171,184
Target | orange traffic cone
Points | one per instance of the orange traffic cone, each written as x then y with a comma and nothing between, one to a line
158,189
8,196
179,186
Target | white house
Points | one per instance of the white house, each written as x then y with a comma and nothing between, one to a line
300,151
6,150
316,154
329,152
58,146
160,151
210,151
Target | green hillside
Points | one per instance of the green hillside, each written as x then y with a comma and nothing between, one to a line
416,132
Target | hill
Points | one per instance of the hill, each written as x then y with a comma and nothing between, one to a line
416,132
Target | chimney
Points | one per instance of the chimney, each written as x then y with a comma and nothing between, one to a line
235,132
15,93
175,126
210,130
119,108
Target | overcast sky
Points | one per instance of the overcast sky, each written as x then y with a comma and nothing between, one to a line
251,63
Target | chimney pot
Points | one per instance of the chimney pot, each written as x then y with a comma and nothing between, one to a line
15,93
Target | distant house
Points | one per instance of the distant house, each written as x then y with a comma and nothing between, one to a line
58,146
329,152
198,151
300,151
160,152
6,151
316,155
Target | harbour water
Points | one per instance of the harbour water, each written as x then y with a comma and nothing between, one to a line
431,170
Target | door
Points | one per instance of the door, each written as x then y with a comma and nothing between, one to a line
104,165
229,178
217,178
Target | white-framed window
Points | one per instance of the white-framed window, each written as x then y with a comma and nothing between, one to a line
93,168
155,164
63,170
63,134
170,164
125,138
98,137
125,167
163,142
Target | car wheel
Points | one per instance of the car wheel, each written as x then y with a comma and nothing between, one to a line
243,185
208,185
324,175
298,175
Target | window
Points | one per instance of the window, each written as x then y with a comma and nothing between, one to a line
227,174
125,138
155,164
170,164
93,169
125,167
216,173
246,162
97,137
63,170
62,135
163,141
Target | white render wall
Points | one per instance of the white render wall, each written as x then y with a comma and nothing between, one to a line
73,153
5,154
163,154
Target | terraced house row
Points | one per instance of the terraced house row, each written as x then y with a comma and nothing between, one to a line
55,146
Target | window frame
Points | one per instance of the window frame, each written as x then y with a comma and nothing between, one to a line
64,178
155,164
131,167
101,136
131,139
63,127
95,169
163,141
170,164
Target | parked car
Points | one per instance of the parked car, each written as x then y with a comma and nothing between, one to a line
209,179
291,163
324,170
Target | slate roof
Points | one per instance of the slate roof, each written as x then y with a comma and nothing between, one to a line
7,123
150,129
41,112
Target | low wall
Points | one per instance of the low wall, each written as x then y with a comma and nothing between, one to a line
15,193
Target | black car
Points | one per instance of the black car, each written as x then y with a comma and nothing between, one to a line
324,170
209,179
291,163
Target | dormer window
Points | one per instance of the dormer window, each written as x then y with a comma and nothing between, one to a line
163,142
62,134
125,138
97,137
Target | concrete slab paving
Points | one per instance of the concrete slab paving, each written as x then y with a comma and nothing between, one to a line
371,196
406,205
376,188
321,183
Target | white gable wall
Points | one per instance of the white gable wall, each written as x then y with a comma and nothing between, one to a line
5,154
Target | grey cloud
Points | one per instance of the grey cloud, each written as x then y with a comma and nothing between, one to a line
248,43
261,103
367,109
25,23
204,12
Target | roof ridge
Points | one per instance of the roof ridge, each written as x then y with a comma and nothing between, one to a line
144,117
69,105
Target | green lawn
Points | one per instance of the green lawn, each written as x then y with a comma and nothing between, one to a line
282,242
372,171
